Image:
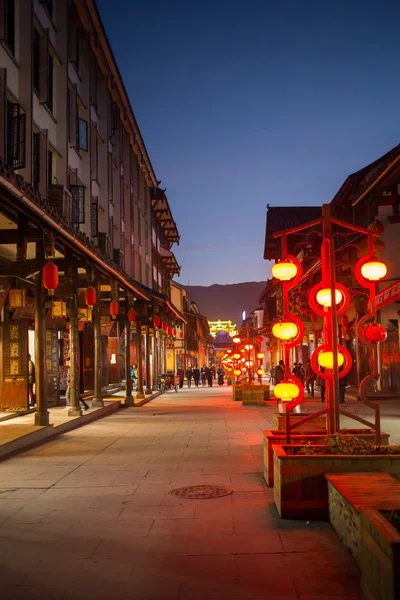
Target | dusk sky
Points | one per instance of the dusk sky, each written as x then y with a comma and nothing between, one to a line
244,103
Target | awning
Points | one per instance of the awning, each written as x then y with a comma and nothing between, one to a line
176,312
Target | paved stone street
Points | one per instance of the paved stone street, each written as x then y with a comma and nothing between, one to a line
89,515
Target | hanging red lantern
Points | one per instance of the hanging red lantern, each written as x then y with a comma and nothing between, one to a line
174,331
156,322
50,277
181,335
169,331
90,296
259,339
131,315
114,308
375,333
67,325
164,326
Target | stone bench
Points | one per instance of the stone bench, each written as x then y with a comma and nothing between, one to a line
355,504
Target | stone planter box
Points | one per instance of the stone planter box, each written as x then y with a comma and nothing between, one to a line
253,394
379,557
237,392
300,436
318,423
300,488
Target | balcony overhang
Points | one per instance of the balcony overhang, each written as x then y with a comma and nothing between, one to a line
163,214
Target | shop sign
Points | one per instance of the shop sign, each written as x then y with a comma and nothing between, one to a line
59,309
16,298
387,296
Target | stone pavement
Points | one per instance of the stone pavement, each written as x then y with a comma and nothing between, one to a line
89,514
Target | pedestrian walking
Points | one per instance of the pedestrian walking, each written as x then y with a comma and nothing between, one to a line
321,382
221,374
209,375
181,375
134,377
189,375
310,379
280,372
203,375
342,389
31,381
298,371
68,391
272,374
196,376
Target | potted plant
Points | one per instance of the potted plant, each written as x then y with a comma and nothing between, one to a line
300,488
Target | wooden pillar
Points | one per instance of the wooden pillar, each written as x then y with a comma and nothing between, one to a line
148,374
42,413
155,361
139,354
75,409
128,401
97,400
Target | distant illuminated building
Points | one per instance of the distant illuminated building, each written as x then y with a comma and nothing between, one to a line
216,326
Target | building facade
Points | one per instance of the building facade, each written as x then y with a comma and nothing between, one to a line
78,191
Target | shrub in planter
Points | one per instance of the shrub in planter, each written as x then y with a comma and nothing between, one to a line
300,436
300,488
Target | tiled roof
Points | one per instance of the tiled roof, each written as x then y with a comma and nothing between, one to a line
280,218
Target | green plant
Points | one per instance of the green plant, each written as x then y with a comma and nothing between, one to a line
338,444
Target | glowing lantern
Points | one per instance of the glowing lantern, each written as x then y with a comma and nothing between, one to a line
324,297
156,322
260,354
286,391
285,330
229,351
181,335
242,350
236,340
90,296
50,277
242,360
375,333
237,372
131,315
284,270
236,356
249,347
169,331
259,339
325,359
249,363
260,371
174,331
164,326
373,270
114,308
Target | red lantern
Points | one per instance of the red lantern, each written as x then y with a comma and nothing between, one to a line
156,322
67,325
131,315
259,339
375,333
114,308
181,335
174,331
90,296
50,277
169,331
164,326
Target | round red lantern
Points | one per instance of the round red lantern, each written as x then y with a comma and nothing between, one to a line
164,326
174,331
181,335
375,333
90,296
259,339
169,331
131,315
50,277
114,308
156,322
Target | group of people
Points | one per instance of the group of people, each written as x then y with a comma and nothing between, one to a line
308,378
204,375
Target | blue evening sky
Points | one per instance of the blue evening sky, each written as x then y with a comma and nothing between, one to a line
247,102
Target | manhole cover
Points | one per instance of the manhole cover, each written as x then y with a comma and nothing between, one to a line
201,492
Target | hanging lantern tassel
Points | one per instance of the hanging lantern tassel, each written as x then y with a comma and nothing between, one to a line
50,277
114,308
90,297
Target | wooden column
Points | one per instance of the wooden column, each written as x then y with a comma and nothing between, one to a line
155,361
75,409
97,400
139,356
148,374
128,401
41,414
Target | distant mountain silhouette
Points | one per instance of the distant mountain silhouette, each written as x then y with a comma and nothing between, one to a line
226,302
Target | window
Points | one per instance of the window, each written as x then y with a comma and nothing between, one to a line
10,24
94,155
78,204
36,60
15,136
114,117
94,217
50,82
49,167
36,160
74,37
83,143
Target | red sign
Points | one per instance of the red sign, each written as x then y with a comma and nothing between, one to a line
391,294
